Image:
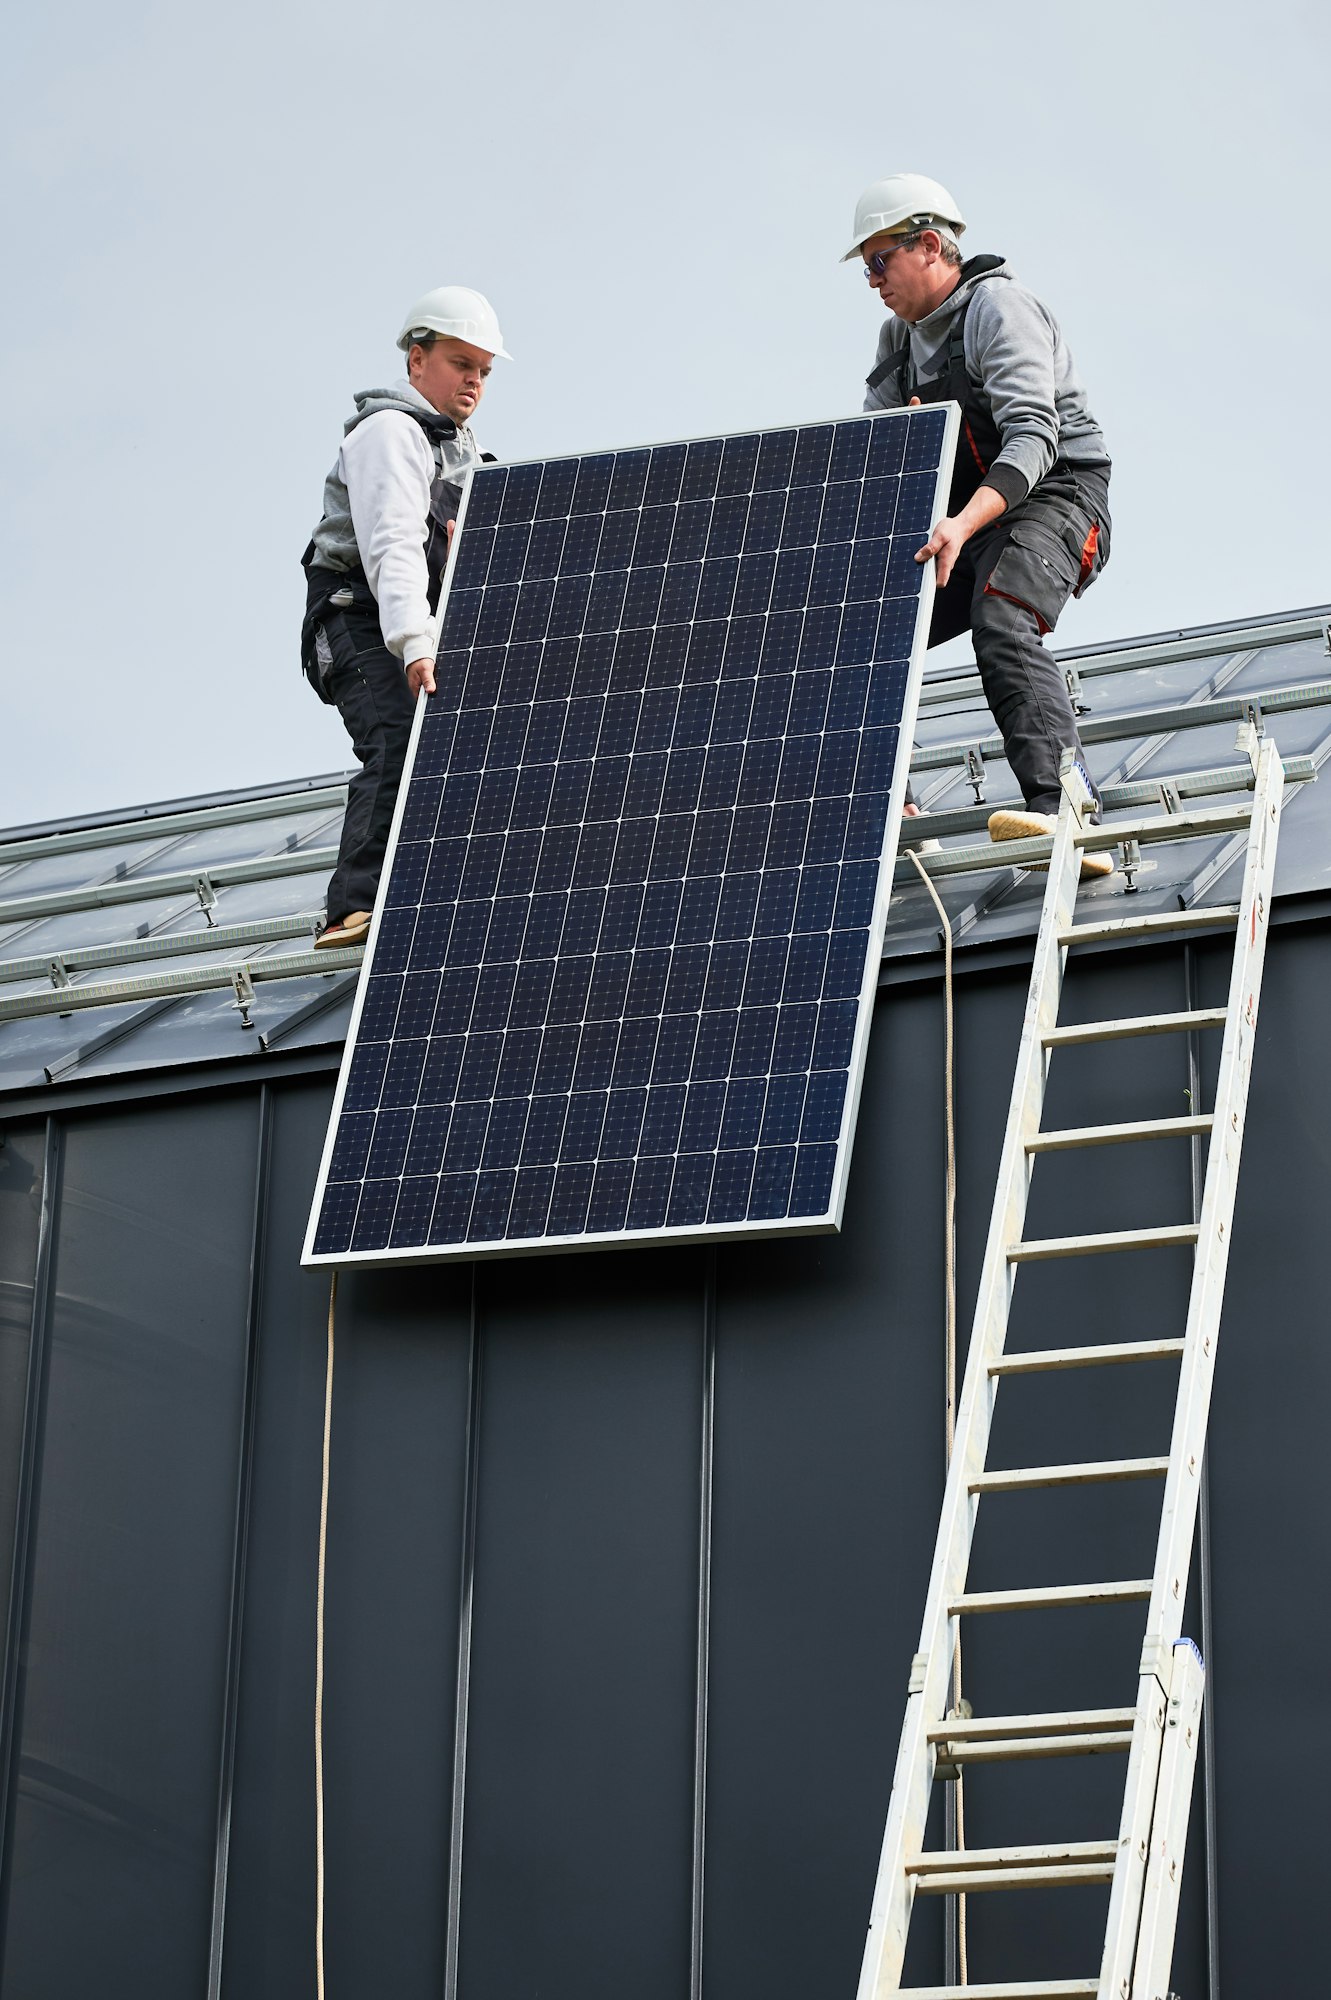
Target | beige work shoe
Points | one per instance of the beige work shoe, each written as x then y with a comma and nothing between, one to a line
1011,823
351,929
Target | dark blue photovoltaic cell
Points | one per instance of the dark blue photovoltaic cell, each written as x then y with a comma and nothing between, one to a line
624,936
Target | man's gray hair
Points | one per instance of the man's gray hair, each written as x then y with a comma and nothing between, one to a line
951,247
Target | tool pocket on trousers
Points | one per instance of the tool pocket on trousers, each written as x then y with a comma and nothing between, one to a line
316,660
1038,569
350,636
1089,542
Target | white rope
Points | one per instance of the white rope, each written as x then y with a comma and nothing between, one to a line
319,1661
950,1317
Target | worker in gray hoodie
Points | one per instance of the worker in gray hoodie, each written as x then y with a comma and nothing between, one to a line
375,564
1027,525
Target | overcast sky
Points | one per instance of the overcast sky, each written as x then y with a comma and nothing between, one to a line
215,219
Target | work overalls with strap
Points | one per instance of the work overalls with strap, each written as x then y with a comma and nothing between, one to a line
332,593
1035,576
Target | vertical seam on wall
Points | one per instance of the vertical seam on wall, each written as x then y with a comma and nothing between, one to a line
25,1513
704,1625
462,1699
240,1545
1210,1851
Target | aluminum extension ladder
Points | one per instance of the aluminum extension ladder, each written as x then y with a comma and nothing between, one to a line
1143,1860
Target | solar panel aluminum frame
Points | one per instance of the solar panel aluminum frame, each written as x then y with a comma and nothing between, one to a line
829,1222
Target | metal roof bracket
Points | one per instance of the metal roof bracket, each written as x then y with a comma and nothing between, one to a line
1080,705
243,987
1251,730
1132,861
207,896
975,772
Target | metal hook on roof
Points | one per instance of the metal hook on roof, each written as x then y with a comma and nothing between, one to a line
243,987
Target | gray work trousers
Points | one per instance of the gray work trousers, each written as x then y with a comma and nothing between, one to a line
369,686
1009,586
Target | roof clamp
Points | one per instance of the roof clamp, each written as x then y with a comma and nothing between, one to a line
243,987
1132,861
207,896
975,773
1326,635
59,977
1251,731
1170,797
1076,693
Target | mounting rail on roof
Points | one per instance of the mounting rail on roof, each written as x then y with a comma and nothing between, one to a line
40,915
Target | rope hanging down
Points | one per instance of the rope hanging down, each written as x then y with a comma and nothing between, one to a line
319,1662
950,1319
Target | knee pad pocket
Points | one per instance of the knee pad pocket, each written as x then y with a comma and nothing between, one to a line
1038,570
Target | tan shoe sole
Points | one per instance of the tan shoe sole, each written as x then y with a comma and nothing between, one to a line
352,929
1013,825
1009,824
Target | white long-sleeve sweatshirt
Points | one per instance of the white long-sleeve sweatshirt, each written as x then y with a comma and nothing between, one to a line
377,504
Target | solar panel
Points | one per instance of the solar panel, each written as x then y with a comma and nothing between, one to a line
621,971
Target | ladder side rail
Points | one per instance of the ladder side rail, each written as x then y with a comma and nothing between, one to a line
1169,1829
903,1838
1215,1227
1188,1442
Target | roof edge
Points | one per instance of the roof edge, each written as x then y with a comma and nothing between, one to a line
203,801
161,808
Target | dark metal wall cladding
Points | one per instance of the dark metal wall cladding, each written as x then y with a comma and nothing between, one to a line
160,1783
116,1747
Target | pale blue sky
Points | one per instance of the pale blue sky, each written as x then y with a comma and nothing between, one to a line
215,219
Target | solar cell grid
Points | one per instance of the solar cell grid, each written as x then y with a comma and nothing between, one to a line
622,965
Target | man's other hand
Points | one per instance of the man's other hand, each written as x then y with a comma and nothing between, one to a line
951,534
944,545
420,673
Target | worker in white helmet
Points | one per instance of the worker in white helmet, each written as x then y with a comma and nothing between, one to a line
375,564
1027,524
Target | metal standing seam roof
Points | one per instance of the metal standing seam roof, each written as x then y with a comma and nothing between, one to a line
181,933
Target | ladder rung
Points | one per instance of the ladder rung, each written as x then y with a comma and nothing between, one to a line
1040,1248
1106,1355
1054,1854
1088,1474
1141,1024
1057,1722
1015,1878
1024,1989
1167,826
1016,1749
1165,923
1073,1136
1050,1597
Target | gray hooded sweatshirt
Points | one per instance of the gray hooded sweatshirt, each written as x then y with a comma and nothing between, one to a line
1015,352
376,504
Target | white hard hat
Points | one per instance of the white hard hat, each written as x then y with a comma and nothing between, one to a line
458,313
902,198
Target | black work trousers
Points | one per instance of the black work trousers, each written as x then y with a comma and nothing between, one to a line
369,687
1008,588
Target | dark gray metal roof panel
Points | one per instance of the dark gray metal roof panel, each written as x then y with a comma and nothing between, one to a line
274,828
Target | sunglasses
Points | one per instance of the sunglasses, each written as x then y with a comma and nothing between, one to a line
876,263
